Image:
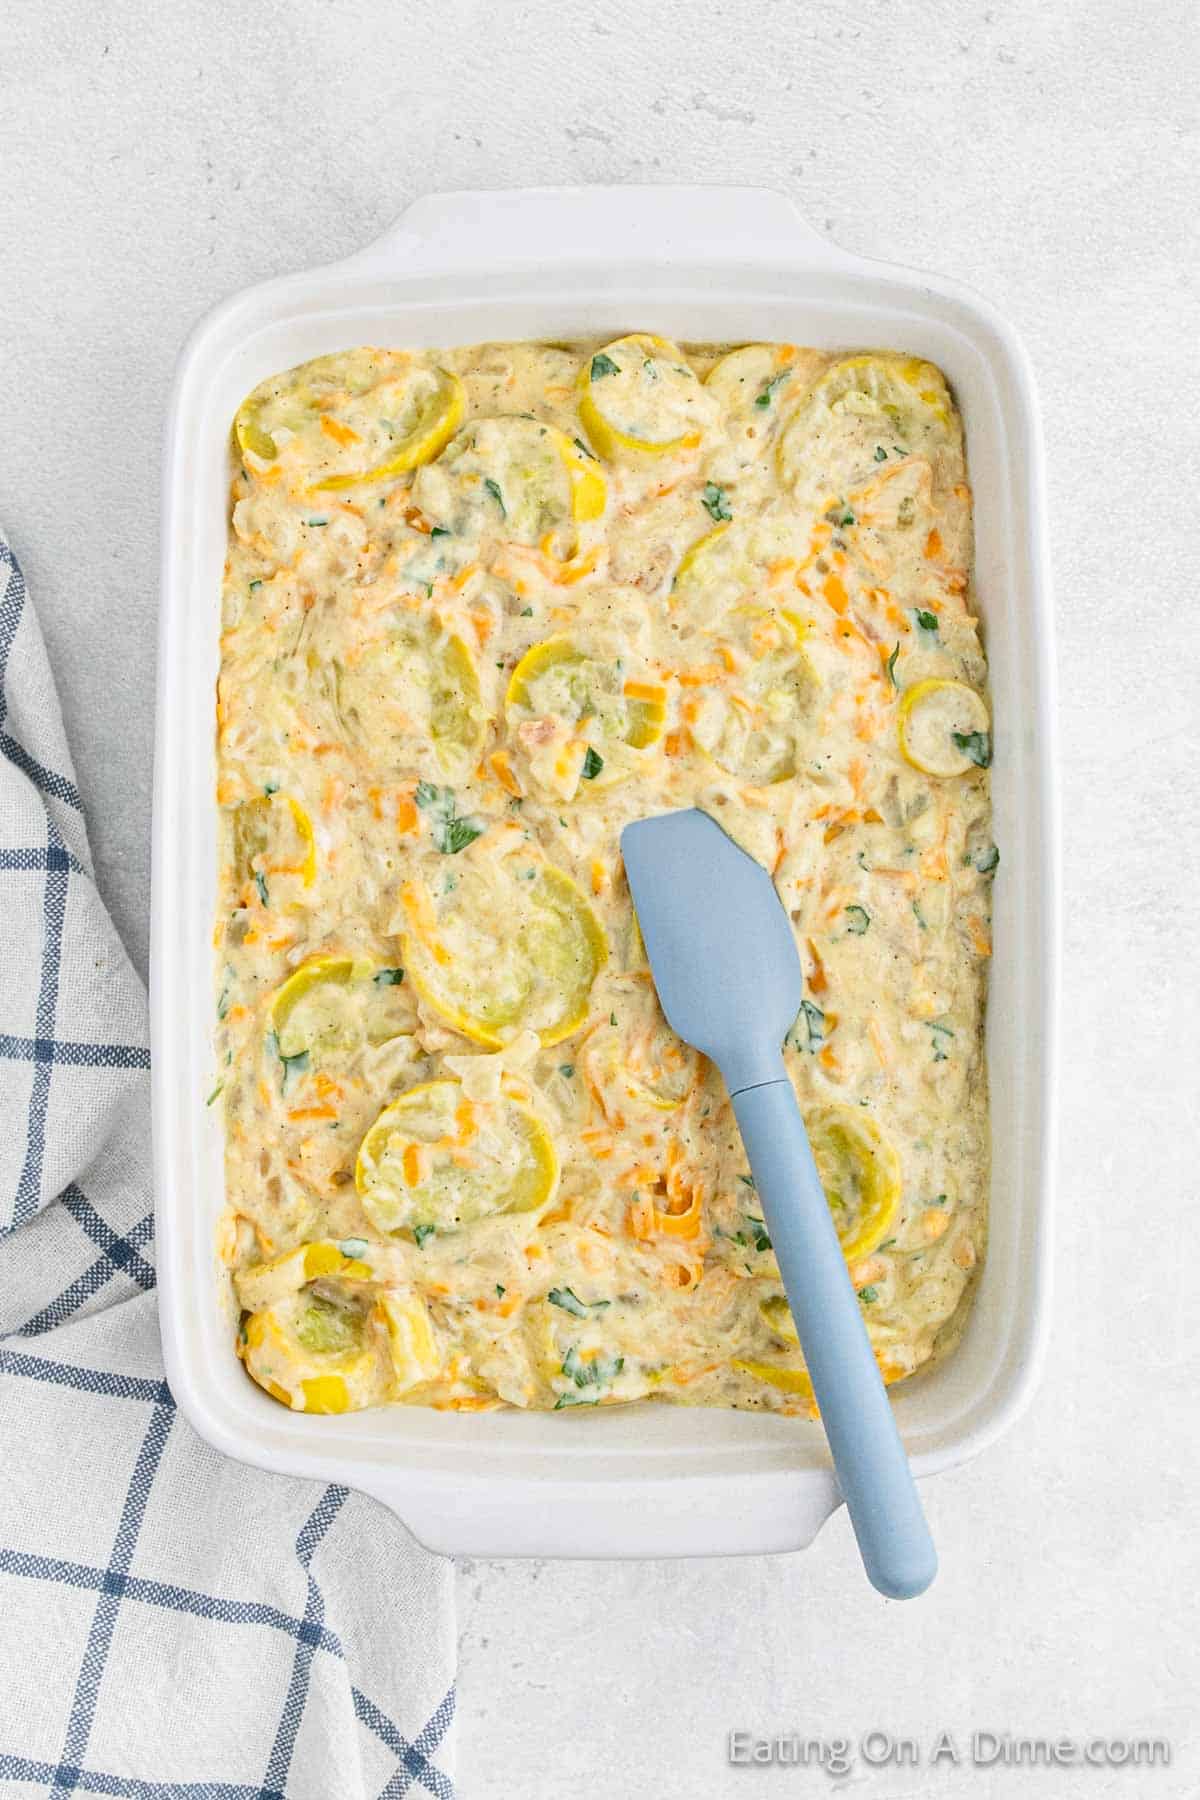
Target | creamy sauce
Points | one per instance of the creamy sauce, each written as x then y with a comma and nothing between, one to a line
482,608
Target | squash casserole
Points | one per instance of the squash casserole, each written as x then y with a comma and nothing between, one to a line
483,607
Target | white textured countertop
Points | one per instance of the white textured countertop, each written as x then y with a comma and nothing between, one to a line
156,158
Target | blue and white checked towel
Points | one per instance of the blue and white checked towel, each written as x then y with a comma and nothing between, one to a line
171,1623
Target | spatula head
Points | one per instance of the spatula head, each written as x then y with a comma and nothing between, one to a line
720,945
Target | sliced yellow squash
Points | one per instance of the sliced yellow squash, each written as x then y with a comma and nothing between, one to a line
755,383
589,490
578,713
273,835
262,1284
865,411
334,1004
429,415
638,1065
513,946
418,687
638,397
252,440
788,1381
413,1342
711,567
558,676
777,1315
798,1381
434,1160
944,728
356,417
756,722
318,1353
515,478
860,1173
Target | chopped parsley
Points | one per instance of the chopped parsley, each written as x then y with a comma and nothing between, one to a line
292,1065
493,488
450,832
858,920
975,744
589,1372
603,365
580,445
814,1026
919,916
440,531
256,584
421,1232
316,521
868,1294
939,1034
880,453
214,1093
759,1228
569,1301
749,1181
592,765
260,882
501,1290
566,1070
891,667
766,394
527,612
458,834
388,977
270,787
928,621
715,502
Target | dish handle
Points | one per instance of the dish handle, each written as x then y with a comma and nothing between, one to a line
757,1514
523,226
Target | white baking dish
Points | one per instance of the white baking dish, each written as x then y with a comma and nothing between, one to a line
703,264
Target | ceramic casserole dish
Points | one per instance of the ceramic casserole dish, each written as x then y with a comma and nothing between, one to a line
694,264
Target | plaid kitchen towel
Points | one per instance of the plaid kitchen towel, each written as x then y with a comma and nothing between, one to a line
171,1623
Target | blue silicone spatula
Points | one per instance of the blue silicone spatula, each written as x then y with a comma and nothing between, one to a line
729,980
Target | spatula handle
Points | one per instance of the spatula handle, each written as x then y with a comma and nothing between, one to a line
871,1466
